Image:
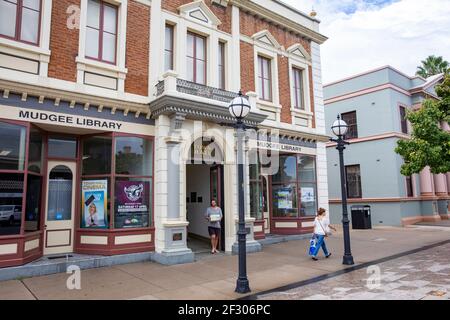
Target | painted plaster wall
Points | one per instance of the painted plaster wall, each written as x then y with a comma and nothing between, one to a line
380,176
381,213
356,84
374,113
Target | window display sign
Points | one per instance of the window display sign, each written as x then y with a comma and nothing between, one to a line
308,194
132,204
94,203
284,197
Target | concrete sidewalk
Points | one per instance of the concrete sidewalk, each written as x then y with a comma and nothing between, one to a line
214,277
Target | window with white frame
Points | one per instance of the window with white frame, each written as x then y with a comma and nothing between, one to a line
101,31
298,88
221,65
196,58
169,47
20,20
264,78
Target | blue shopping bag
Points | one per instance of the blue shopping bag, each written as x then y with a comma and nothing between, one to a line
312,245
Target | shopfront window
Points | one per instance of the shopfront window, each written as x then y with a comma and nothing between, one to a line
284,188
256,183
12,146
294,187
11,197
35,152
120,198
307,185
97,155
33,203
133,156
62,147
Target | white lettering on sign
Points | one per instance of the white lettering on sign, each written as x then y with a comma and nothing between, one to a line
278,146
68,119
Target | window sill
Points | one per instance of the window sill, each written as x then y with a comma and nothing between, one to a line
101,67
301,112
24,50
263,104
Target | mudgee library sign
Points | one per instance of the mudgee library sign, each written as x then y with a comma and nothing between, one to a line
71,120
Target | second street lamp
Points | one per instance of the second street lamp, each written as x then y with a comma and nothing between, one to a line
239,109
340,128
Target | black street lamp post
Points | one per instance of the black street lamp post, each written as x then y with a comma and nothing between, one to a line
340,128
239,109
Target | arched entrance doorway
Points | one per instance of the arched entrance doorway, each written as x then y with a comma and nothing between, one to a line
204,182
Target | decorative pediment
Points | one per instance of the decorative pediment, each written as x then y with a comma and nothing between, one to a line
299,51
266,38
199,12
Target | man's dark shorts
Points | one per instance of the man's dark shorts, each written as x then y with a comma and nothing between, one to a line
214,231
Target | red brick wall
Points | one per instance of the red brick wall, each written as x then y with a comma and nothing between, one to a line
224,14
284,89
63,43
137,53
247,68
251,25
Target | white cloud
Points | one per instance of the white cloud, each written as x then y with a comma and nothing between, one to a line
368,34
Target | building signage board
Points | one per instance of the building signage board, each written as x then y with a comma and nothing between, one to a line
94,203
280,147
132,204
75,121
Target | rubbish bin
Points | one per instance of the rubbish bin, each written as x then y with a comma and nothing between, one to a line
361,217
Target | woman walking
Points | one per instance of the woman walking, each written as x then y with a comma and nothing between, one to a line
321,230
214,216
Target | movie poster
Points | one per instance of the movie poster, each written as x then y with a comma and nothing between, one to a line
94,203
132,204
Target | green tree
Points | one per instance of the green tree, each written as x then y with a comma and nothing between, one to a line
429,144
432,66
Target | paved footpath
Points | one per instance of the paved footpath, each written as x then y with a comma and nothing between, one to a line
420,276
214,277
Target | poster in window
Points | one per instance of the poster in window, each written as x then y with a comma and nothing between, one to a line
132,204
94,203
307,194
284,197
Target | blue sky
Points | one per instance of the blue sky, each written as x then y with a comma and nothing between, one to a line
366,34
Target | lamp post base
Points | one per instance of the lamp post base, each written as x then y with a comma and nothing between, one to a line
242,286
348,260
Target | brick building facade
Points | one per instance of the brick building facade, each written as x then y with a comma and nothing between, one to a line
119,134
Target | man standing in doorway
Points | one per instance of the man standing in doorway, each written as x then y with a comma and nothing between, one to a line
214,216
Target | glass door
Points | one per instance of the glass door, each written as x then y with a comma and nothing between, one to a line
60,209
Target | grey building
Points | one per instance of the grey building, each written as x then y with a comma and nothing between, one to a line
374,105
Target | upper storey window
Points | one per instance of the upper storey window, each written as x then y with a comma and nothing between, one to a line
264,79
350,119
196,58
20,20
168,49
101,31
297,75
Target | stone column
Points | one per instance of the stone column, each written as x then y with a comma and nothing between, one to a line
427,190
426,182
440,184
251,244
448,182
173,226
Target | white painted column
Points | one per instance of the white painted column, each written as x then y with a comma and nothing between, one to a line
180,47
